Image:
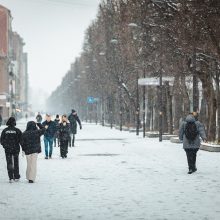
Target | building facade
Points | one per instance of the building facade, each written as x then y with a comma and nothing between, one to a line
13,69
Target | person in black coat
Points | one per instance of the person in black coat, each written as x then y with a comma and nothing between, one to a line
0,120
56,137
31,145
64,136
10,140
39,118
74,119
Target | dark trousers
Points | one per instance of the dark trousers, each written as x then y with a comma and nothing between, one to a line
56,142
72,140
63,148
191,158
12,165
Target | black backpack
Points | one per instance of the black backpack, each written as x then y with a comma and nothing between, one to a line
191,131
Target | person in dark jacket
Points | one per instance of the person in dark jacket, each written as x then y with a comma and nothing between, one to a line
49,136
64,136
39,118
10,140
31,145
0,120
74,119
192,146
56,137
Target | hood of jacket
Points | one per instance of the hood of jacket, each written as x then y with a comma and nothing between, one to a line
11,122
31,126
190,118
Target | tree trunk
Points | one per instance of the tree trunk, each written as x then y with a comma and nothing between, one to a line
165,118
209,94
149,105
185,95
169,108
178,111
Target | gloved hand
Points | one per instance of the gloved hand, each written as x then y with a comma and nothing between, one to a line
80,127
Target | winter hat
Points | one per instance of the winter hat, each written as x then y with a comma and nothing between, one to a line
31,126
11,122
73,111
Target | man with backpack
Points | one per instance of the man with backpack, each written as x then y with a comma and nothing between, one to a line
190,132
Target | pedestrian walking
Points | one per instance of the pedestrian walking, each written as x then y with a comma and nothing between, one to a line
56,137
1,120
10,140
64,136
73,119
190,132
49,136
39,118
31,145
26,116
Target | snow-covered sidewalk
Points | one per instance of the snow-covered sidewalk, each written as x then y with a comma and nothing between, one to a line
114,175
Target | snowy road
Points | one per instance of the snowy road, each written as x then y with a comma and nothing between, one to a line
117,176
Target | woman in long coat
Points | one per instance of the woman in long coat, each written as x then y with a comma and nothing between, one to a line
31,145
64,136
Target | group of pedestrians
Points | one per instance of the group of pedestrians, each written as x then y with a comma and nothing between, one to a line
63,133
12,139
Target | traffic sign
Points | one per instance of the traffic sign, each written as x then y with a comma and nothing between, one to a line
90,100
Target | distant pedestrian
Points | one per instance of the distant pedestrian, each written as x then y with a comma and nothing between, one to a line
190,132
10,140
0,120
64,136
56,137
26,116
74,119
31,145
49,136
39,118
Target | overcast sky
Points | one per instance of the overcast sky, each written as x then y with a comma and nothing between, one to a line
53,31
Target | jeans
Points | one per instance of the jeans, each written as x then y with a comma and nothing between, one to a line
191,158
48,143
12,165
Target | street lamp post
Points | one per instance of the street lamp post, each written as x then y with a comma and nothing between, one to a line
111,115
161,108
115,42
144,106
138,110
102,54
134,27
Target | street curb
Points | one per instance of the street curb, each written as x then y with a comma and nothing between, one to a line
175,140
156,135
210,147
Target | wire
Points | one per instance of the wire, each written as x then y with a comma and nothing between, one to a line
66,2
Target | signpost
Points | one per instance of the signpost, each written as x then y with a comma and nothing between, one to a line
90,100
149,81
